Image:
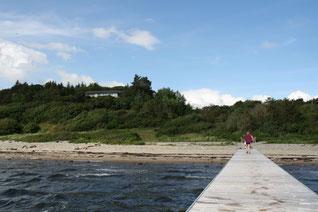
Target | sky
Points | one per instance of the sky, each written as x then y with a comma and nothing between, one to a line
213,52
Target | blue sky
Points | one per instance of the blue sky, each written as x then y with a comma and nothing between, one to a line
213,51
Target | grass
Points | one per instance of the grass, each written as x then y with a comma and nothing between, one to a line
151,135
108,137
146,134
122,136
189,137
99,136
140,136
293,139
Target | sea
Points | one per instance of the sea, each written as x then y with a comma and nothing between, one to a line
48,185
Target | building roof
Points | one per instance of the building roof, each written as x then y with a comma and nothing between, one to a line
103,92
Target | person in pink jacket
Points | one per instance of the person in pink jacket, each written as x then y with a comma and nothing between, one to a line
248,140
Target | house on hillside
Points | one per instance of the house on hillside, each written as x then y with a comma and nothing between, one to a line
113,93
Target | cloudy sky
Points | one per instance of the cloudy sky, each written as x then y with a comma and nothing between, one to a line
214,52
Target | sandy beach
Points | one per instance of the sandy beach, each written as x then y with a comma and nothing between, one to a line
181,152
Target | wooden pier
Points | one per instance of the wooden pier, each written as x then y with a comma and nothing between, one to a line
252,182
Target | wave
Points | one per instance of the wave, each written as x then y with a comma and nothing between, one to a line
183,177
57,176
67,170
111,170
23,174
34,180
6,203
173,177
163,199
57,197
309,179
12,192
182,171
95,175
197,177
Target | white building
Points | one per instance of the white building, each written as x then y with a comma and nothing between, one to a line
113,93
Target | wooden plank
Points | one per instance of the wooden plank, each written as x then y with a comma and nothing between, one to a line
252,182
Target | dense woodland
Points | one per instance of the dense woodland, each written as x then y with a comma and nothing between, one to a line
53,108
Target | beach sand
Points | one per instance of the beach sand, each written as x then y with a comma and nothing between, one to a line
163,152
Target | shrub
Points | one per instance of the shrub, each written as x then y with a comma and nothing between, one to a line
31,128
89,120
109,137
9,126
47,137
98,136
12,111
186,124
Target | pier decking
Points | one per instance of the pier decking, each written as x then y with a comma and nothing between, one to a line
252,182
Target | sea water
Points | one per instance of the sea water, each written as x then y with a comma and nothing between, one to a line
39,185
307,174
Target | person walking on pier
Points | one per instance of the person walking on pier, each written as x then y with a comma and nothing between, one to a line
248,139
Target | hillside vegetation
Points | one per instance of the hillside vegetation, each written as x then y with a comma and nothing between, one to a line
52,112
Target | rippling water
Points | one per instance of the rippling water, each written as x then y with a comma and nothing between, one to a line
307,174
80,186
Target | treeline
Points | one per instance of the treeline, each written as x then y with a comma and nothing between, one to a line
53,107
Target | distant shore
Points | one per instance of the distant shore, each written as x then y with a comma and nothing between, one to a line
162,152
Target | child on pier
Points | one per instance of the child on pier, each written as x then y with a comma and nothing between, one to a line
248,140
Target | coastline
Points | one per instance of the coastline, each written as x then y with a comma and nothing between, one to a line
178,152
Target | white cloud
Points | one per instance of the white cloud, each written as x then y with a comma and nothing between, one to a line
18,61
137,37
29,26
300,95
111,84
59,47
261,98
74,78
65,56
63,50
141,38
12,25
204,97
104,32
269,45
44,81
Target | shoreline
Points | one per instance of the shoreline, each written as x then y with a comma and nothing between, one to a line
181,152
146,158
116,158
